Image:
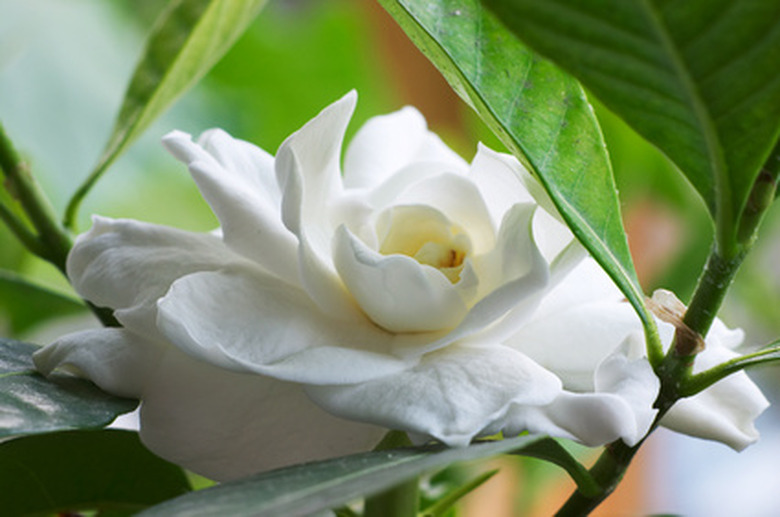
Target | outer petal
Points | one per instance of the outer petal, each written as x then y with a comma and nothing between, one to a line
573,342
592,419
307,167
243,320
450,395
126,265
387,143
397,292
117,360
620,408
312,153
238,181
227,425
629,376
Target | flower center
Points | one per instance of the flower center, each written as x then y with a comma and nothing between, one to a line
426,235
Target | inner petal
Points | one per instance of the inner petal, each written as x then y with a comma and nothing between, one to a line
426,235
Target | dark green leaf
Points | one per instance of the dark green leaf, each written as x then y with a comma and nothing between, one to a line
312,487
703,380
698,78
31,404
540,114
27,304
84,470
187,40
550,450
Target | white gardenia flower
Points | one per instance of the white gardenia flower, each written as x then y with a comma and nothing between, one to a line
405,290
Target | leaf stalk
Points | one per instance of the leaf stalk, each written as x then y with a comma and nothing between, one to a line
53,242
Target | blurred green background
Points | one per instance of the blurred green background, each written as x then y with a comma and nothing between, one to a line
64,65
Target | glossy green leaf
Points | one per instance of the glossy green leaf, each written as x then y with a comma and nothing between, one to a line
188,39
313,487
697,78
26,304
540,113
32,404
68,471
705,379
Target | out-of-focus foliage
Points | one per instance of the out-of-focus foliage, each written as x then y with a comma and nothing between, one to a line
60,115
60,473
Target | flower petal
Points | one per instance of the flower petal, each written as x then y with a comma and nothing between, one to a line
525,274
310,156
386,144
238,181
498,180
620,408
244,320
126,265
628,375
457,198
117,360
725,411
451,395
395,291
504,182
227,425
592,419
307,168
574,341
512,279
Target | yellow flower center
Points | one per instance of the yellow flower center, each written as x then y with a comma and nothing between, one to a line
426,235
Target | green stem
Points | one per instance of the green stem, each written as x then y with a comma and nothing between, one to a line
55,242
20,230
401,500
703,380
608,471
710,291
443,505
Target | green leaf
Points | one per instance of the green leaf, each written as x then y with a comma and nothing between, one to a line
188,39
550,450
68,471
27,304
699,79
32,404
703,380
541,114
312,487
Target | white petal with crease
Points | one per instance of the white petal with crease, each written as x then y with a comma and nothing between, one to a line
243,320
127,265
450,395
117,360
238,181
